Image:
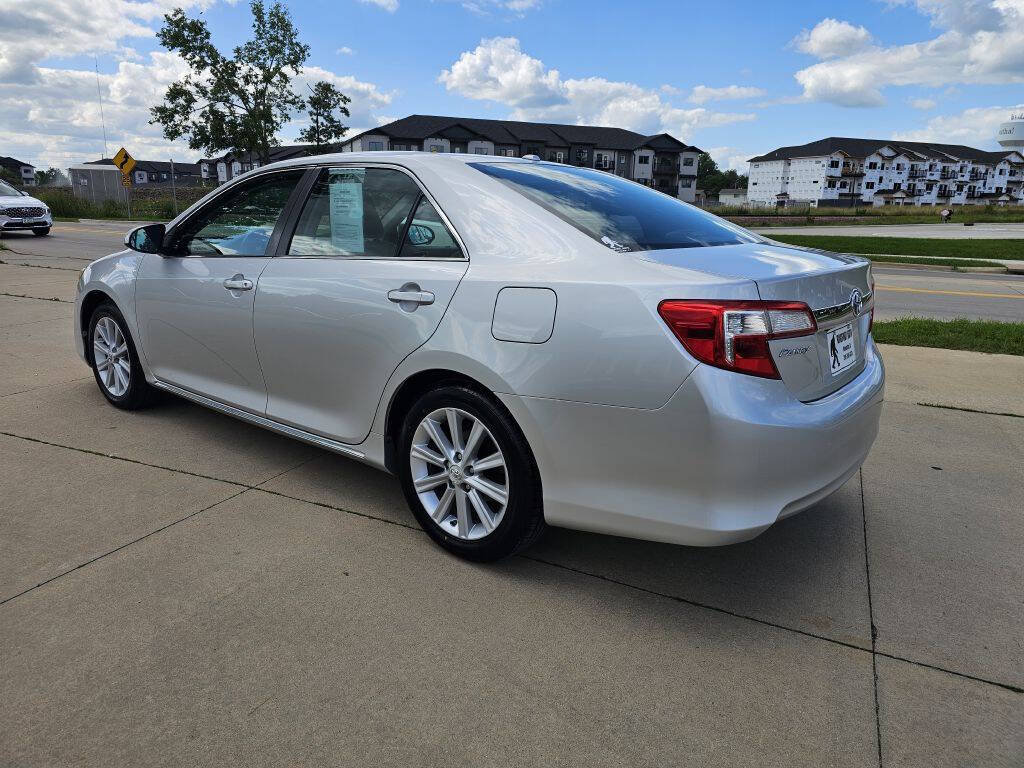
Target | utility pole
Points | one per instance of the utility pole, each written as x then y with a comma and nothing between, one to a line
174,194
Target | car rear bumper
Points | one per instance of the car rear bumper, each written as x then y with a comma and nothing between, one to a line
723,460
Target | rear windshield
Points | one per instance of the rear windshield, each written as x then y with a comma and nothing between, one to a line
622,215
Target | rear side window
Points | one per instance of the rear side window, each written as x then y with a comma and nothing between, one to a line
622,215
374,213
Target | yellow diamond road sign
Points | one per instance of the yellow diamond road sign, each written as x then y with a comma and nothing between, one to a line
124,161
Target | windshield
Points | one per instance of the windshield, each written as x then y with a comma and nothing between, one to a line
7,189
620,214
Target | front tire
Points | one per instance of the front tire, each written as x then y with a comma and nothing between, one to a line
469,476
115,362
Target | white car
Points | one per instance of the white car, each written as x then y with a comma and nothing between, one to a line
20,211
523,343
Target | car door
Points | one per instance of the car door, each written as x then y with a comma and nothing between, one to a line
364,281
193,302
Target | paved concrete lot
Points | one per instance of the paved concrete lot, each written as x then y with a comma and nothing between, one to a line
953,229
180,588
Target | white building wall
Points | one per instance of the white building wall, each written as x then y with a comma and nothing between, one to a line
435,144
766,181
643,171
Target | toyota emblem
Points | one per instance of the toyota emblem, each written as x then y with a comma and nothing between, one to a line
857,302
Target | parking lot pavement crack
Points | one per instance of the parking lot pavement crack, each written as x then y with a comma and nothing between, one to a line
127,544
44,386
972,410
871,619
37,298
37,266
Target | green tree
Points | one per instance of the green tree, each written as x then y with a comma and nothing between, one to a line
324,127
713,180
237,102
54,177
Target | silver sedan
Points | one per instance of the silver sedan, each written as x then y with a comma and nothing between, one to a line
523,343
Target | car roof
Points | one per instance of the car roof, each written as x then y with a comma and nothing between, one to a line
408,158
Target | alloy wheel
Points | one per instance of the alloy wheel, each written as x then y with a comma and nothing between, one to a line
110,355
459,473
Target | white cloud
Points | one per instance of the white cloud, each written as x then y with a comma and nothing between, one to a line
983,43
498,70
50,115
831,38
345,51
731,158
486,7
367,100
702,94
975,127
923,104
388,5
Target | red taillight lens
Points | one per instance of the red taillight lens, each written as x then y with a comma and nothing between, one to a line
734,334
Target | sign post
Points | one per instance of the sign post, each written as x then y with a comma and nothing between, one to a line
125,164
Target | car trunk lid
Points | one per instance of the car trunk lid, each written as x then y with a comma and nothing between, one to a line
837,288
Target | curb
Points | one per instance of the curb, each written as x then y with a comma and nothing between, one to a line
941,267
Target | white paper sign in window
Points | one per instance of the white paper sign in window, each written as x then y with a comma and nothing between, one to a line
347,210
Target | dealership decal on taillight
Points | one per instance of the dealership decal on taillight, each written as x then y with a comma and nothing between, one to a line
734,334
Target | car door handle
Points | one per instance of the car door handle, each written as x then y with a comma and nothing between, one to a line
415,297
238,283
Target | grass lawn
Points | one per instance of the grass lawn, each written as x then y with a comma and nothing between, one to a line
911,246
955,263
973,335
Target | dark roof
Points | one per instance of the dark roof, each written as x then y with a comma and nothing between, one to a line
419,127
864,147
10,162
153,166
282,152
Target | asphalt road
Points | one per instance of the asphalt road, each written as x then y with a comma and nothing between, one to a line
177,587
924,293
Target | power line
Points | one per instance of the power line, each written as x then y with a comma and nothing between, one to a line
99,97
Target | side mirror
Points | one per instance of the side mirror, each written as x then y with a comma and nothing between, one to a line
420,235
148,239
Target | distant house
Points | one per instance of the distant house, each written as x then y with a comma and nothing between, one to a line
26,172
732,197
155,172
231,164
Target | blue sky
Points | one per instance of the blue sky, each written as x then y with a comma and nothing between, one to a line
735,78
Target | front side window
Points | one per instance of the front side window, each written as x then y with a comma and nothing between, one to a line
365,213
239,222
620,214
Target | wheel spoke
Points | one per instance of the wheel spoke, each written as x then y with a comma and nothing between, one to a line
455,427
424,484
480,507
463,513
488,488
103,364
443,505
434,430
476,433
429,456
121,350
493,461
121,377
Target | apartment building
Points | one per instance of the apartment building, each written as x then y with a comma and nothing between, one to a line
144,172
659,161
838,172
231,164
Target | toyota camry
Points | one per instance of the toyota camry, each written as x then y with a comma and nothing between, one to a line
522,343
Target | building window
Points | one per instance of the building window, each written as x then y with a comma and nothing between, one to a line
833,164
688,161
686,183
872,166
376,146
644,159
479,151
869,185
831,185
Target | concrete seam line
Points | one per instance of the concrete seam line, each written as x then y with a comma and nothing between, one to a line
766,622
37,298
972,410
871,618
417,529
44,386
122,546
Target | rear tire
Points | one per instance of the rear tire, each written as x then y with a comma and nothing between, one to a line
482,505
115,362
41,232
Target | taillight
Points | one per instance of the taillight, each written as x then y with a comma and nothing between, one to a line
734,334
